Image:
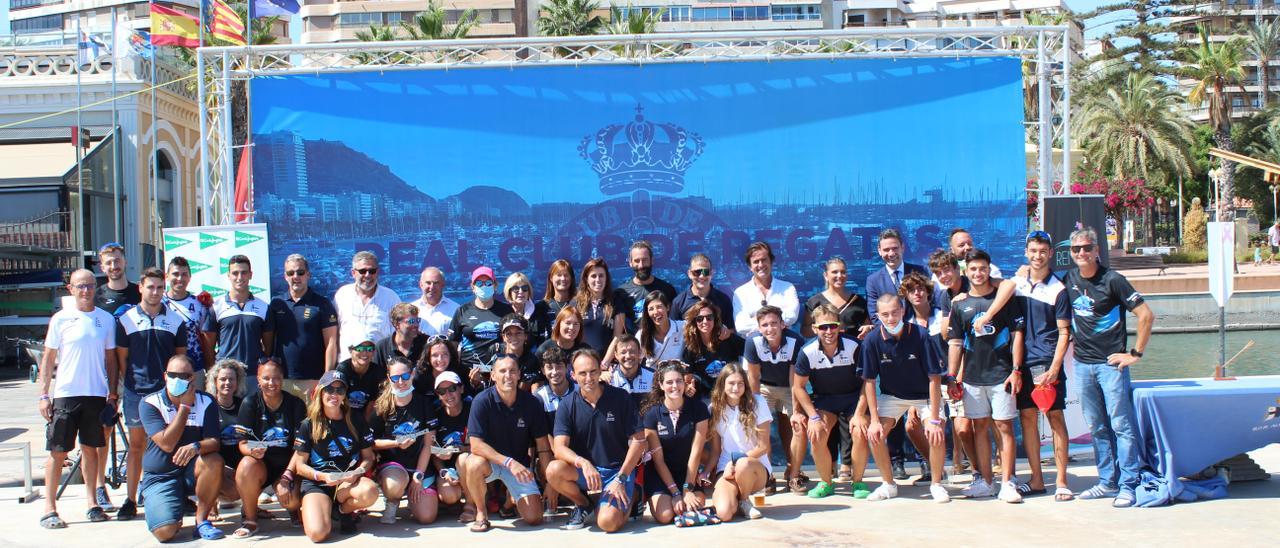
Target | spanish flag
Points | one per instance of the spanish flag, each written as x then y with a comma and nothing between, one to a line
173,28
226,25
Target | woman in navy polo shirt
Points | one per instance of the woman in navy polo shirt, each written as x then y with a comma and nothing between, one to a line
675,428
602,318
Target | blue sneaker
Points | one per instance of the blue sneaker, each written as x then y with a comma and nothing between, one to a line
578,518
205,530
103,500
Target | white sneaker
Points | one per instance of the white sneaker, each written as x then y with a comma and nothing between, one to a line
389,512
749,509
979,489
939,493
1009,492
886,491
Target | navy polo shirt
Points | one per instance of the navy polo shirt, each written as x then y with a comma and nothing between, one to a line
157,411
599,433
1043,304
839,375
299,328
239,329
676,438
151,341
508,430
903,364
775,367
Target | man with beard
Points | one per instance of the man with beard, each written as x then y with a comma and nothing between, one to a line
635,289
119,291
364,306
962,247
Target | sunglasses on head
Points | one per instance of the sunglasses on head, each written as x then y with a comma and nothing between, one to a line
700,272
1086,248
177,375
436,339
363,348
403,377
1039,235
366,271
827,326
448,390
336,389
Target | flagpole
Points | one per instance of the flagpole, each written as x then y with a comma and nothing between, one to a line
151,162
115,129
79,147
201,24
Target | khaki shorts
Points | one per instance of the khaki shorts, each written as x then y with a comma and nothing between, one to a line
778,398
301,388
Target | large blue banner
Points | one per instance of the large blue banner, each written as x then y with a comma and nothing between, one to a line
515,168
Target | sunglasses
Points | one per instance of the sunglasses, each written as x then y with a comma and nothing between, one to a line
701,272
1086,248
703,318
403,377
522,289
366,271
84,287
436,339
448,390
335,389
484,283
292,273
364,348
412,321
827,326
111,246
175,375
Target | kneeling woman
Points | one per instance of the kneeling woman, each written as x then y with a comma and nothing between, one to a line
333,450
740,439
404,426
675,427
269,420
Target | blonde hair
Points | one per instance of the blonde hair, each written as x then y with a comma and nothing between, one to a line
211,380
514,280
320,422
746,403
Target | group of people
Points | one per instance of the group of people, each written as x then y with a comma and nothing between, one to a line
599,400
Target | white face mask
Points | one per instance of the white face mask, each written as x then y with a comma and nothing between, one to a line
895,330
402,393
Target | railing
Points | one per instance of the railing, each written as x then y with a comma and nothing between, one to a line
49,231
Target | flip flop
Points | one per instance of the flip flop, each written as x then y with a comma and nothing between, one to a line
1026,490
1063,494
481,526
52,521
467,516
246,530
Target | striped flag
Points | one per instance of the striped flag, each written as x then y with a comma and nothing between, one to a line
173,28
225,24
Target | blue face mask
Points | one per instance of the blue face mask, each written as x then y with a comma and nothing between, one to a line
483,291
402,393
177,387
895,330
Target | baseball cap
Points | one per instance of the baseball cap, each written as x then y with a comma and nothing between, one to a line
481,271
330,377
514,320
369,337
447,376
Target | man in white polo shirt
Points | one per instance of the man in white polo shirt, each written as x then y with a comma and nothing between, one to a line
364,307
81,343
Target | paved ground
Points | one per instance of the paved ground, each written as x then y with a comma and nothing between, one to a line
1245,519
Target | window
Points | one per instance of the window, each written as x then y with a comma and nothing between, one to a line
801,12
1237,101
19,4
164,189
359,19
395,17
37,24
676,13
855,20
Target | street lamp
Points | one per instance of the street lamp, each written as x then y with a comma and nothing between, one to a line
1274,189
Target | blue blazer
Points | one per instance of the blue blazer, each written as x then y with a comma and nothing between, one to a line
879,282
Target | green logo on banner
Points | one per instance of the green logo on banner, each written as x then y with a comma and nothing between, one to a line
245,238
197,267
209,240
213,290
172,242
257,290
224,265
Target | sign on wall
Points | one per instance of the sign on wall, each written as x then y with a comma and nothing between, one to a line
209,248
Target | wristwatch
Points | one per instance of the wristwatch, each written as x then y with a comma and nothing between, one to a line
418,476
1135,353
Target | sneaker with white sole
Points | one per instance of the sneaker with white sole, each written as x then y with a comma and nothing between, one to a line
749,510
1009,492
886,491
978,489
939,493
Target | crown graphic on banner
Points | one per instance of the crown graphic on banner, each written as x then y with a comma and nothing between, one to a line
641,155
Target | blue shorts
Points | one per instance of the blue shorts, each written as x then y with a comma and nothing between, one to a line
130,400
838,404
517,488
607,476
165,496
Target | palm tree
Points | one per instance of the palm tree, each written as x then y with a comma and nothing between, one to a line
571,18
1137,130
1263,43
376,33
630,20
1214,67
430,24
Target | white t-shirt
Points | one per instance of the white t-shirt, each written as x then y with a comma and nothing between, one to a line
82,340
358,319
1273,234
747,300
734,440
670,347
435,319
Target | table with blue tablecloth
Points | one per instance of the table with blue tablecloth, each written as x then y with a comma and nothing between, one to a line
1186,425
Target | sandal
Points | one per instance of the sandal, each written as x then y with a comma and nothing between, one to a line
1063,494
52,521
246,530
468,515
205,530
481,526
797,485
1026,490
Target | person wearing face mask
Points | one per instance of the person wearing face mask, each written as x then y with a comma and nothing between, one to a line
404,424
364,306
632,293
908,366
270,416
363,377
701,289
182,451
476,325
407,341
519,293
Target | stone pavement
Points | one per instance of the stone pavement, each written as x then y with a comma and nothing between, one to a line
1245,519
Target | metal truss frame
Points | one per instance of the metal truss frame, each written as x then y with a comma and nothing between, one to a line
1045,51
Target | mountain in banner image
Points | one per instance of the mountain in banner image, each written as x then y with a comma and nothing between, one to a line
489,201
284,164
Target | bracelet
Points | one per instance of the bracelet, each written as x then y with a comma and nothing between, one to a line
685,487
45,397
507,463
935,422
183,406
815,418
672,487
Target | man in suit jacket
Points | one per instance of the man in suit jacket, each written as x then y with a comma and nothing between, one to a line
886,280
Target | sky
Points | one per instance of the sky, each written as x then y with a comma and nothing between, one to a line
822,123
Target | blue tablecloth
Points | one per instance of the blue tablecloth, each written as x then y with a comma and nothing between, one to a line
1185,425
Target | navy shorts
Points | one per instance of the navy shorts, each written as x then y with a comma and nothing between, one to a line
1029,383
837,404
